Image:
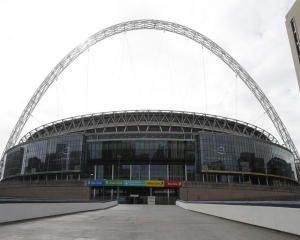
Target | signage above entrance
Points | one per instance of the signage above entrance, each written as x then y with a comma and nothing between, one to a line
134,183
95,183
176,184
117,183
154,183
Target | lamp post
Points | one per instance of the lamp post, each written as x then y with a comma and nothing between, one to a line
119,157
150,167
118,188
94,192
267,180
103,189
187,191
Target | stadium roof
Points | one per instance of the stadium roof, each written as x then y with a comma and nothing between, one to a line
147,120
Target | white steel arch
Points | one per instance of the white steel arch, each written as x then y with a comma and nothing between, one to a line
154,25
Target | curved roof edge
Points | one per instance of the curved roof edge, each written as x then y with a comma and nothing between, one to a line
147,120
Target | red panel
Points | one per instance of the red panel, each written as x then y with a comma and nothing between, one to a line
176,184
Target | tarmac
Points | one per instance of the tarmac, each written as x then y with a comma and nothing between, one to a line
137,222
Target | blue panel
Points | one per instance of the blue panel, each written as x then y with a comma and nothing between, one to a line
95,183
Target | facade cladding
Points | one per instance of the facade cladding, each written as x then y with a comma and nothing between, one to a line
156,145
293,29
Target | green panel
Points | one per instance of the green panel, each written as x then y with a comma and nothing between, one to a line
114,183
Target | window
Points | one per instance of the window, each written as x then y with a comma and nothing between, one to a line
296,37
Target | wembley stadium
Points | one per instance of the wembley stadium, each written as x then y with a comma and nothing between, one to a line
143,153
151,145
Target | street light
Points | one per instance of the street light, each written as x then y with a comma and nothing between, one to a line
94,192
150,167
187,191
103,189
118,189
119,157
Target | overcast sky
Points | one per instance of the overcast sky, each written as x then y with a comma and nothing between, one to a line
146,69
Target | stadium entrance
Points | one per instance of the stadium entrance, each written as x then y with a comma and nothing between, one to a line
128,194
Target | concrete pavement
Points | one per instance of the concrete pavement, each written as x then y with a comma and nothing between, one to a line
137,222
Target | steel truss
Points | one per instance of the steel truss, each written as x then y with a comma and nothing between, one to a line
148,120
163,26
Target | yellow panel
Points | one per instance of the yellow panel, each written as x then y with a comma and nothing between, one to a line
154,183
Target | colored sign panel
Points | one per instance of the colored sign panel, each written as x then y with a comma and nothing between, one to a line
176,184
114,183
134,183
154,183
95,183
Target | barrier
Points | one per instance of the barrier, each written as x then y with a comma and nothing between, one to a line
14,210
280,216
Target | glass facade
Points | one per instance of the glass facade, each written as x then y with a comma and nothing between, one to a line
148,156
141,159
56,154
141,149
238,154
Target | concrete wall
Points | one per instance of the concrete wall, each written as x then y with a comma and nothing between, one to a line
277,218
21,211
50,190
217,192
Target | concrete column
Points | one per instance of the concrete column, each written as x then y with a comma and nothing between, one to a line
79,176
167,173
258,181
168,196
56,177
216,178
46,178
118,193
267,181
185,173
112,172
130,171
95,177
203,177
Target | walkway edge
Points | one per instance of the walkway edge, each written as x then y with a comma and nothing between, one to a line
276,218
10,212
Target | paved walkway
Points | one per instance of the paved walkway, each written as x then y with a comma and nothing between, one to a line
137,222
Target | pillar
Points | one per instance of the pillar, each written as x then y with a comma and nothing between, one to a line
130,171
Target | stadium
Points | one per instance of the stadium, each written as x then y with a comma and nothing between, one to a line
140,153
151,145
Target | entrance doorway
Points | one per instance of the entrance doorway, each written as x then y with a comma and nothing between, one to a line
136,195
